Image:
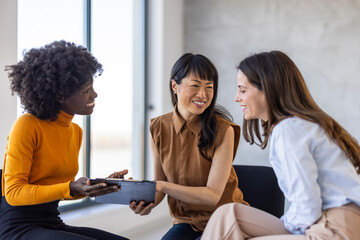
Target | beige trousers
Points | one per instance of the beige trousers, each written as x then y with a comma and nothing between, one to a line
239,222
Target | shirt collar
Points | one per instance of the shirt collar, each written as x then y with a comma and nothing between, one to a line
64,119
194,124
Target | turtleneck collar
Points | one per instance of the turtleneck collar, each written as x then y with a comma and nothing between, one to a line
64,119
194,123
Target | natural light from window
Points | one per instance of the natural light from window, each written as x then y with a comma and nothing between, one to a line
44,21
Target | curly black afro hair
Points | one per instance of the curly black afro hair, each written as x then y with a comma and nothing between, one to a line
56,70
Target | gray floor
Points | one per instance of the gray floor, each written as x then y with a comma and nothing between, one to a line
119,219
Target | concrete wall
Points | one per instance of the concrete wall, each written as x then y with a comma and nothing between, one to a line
165,46
8,56
322,37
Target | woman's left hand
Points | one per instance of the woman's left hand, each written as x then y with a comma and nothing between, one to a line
82,186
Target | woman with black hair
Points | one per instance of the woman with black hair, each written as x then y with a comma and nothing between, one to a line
54,83
193,149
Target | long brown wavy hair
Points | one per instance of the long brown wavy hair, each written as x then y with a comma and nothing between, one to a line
287,95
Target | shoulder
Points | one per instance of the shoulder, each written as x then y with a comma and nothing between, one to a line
161,123
163,119
76,127
296,129
223,127
294,124
224,124
28,118
26,122
25,129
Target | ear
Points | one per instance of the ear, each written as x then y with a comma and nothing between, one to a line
174,86
60,99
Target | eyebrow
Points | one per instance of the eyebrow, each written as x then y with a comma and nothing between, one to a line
86,86
239,86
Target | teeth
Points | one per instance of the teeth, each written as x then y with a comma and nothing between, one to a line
243,106
90,104
200,103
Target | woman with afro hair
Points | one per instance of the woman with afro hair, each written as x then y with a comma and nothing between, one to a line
54,83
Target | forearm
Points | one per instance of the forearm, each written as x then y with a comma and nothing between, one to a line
28,194
193,195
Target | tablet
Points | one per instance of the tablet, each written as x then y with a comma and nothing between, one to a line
130,190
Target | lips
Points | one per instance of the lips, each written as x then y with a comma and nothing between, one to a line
90,105
243,108
199,104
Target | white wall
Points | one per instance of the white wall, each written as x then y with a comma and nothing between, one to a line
8,56
322,37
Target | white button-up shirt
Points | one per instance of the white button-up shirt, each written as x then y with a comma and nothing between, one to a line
313,172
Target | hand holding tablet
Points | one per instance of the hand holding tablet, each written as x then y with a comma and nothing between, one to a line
130,190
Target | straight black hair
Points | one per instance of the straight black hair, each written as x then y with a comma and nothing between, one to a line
202,67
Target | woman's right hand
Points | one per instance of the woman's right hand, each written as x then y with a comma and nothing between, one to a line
82,186
141,208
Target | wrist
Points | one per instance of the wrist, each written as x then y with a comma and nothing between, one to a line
160,186
71,190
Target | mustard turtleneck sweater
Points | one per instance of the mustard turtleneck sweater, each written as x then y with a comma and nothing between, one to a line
41,159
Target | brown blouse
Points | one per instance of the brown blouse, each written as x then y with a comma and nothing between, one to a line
184,164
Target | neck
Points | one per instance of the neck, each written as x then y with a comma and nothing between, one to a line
64,119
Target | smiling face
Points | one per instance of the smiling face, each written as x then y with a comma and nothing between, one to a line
251,99
82,102
194,95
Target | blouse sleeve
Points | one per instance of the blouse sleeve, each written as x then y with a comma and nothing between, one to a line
222,128
296,169
22,142
154,129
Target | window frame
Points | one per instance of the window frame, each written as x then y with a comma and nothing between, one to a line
139,98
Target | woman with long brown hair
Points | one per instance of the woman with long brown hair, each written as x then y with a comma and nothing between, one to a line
315,159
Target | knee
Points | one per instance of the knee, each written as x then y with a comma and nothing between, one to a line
232,206
227,209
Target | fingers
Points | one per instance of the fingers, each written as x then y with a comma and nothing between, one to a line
100,189
141,209
147,209
119,174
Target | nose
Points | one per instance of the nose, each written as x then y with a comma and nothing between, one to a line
237,97
94,95
201,93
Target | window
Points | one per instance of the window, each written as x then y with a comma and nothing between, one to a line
111,122
41,22
114,32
